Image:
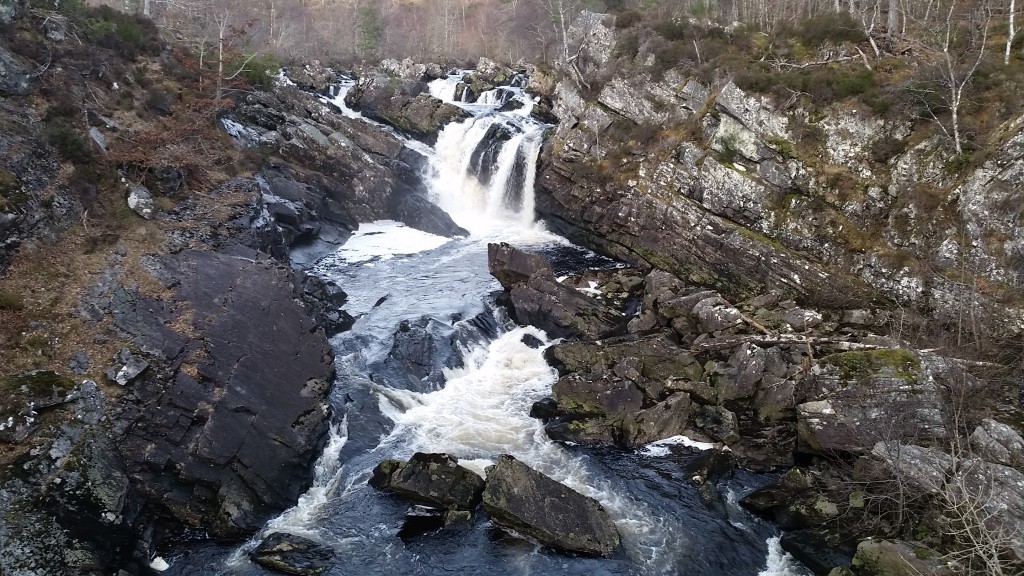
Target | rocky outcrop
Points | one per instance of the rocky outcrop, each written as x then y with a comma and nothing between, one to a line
224,431
970,494
851,389
527,502
434,480
736,195
561,310
28,169
404,104
63,485
332,172
537,298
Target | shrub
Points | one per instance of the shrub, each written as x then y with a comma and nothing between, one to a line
68,142
627,46
672,30
628,19
830,27
886,148
261,71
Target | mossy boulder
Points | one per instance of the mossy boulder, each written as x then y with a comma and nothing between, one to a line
895,558
434,480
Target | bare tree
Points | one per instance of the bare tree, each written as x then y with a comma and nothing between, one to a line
1011,31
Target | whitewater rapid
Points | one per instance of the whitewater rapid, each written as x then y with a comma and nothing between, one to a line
475,403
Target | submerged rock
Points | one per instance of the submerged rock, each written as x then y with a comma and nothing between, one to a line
528,502
293,554
434,480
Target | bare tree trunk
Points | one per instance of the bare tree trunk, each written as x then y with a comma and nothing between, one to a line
893,20
956,86
1010,33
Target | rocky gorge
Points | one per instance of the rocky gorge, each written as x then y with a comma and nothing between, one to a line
766,307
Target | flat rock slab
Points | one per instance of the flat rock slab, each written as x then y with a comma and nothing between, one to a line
528,502
434,480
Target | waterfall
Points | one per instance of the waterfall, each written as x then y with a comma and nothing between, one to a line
483,168
438,294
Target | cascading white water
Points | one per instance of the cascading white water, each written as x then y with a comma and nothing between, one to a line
482,172
484,167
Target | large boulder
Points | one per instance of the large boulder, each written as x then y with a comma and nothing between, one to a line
528,502
562,311
984,499
851,393
434,480
998,443
896,558
512,266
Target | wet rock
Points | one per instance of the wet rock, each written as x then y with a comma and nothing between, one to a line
293,554
717,422
141,201
562,311
663,420
420,352
813,551
434,480
417,212
529,503
532,341
512,266
227,441
583,395
544,409
324,300
659,357
405,104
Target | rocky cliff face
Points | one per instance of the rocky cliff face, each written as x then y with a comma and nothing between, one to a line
215,405
833,206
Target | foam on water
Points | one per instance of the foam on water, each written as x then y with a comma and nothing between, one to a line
780,562
386,239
